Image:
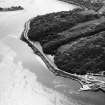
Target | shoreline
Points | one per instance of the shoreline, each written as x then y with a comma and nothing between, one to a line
87,82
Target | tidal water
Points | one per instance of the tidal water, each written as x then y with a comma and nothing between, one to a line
11,27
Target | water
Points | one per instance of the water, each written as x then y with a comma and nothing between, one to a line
11,26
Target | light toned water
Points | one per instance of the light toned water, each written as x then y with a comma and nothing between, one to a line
11,26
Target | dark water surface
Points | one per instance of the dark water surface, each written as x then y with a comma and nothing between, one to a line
11,26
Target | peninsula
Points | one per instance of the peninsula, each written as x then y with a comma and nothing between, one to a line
59,34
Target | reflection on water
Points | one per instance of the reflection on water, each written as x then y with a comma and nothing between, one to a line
11,26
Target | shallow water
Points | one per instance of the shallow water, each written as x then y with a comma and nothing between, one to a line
11,26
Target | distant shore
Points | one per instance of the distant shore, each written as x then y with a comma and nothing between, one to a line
13,8
87,4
